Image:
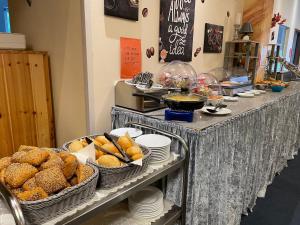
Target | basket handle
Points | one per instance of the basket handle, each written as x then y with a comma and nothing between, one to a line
13,204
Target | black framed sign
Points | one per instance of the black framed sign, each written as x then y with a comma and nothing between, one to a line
213,39
127,9
176,30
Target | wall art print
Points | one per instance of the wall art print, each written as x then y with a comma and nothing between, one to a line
176,30
127,9
213,39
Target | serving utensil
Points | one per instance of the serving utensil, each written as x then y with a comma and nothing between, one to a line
108,137
219,106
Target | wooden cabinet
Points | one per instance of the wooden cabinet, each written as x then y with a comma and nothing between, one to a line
26,114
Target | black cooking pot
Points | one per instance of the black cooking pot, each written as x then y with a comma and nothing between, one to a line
179,101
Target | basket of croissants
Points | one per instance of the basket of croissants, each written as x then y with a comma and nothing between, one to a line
47,182
113,170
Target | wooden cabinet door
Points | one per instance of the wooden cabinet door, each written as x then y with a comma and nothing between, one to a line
6,138
20,99
42,100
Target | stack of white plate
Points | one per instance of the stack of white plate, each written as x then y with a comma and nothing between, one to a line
147,203
158,144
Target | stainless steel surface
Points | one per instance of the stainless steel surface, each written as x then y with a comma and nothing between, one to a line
13,204
122,194
124,98
185,165
171,217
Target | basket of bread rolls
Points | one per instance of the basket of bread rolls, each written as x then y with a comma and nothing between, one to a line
113,169
47,182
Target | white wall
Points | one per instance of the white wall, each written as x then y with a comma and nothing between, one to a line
103,57
55,26
290,10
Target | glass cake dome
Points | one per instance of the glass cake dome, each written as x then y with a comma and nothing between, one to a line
208,85
178,75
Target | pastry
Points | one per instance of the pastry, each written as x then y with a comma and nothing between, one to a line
75,146
53,161
26,148
34,157
99,154
17,174
109,161
16,157
110,147
51,180
102,140
70,164
2,175
32,195
5,162
83,172
29,184
16,191
124,142
133,150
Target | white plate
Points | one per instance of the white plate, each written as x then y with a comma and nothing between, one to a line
147,196
221,112
230,99
255,92
153,140
133,132
246,95
262,91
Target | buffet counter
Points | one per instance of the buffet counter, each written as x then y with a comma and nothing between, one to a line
232,158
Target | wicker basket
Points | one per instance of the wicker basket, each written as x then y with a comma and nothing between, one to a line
37,212
112,177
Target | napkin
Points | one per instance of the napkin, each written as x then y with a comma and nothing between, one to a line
85,154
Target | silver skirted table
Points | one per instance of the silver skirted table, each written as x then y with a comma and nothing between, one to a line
233,158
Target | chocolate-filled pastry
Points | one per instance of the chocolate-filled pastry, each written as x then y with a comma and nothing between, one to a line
17,174
51,180
84,172
53,161
5,162
70,164
32,195
35,157
17,157
29,184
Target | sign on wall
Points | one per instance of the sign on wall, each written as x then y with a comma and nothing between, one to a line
127,9
176,30
131,58
213,38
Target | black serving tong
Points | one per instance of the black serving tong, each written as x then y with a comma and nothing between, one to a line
90,141
126,158
218,106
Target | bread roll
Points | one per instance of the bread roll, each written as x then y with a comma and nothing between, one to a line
32,195
83,172
75,146
5,162
17,174
124,142
137,156
99,154
102,140
110,147
133,150
109,161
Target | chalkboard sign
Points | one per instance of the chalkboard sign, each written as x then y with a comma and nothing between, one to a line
176,30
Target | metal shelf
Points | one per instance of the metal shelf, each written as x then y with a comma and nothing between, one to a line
170,218
111,200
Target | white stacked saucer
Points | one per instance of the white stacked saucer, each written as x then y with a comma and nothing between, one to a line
147,203
158,144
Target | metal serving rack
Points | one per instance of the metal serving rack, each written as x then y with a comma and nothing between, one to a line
172,216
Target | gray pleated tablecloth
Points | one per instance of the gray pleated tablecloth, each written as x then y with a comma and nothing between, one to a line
233,158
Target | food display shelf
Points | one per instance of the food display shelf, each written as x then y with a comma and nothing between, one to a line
95,208
120,195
